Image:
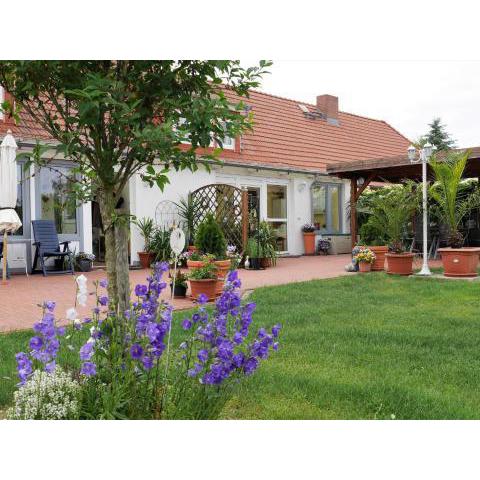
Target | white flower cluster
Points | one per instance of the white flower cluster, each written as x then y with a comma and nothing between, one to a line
46,396
82,293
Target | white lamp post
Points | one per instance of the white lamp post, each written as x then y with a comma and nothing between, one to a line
425,154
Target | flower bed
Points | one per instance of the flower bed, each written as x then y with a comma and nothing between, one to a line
129,368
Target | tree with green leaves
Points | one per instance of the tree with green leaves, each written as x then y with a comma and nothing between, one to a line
438,136
116,119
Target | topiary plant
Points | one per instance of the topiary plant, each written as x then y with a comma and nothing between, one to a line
210,238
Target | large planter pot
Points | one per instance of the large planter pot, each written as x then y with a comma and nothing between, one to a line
460,262
265,262
223,266
194,264
364,267
379,263
146,259
180,291
83,265
309,243
208,287
255,263
399,263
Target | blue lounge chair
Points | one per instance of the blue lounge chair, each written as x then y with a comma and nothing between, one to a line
47,246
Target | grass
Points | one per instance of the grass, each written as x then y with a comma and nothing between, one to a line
362,346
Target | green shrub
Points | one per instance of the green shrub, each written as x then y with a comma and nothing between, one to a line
210,238
160,244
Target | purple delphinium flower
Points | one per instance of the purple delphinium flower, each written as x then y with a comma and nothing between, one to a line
147,362
141,290
103,300
202,299
237,338
276,329
250,365
136,351
186,324
197,368
50,366
49,305
88,369
24,367
36,343
103,283
86,351
203,355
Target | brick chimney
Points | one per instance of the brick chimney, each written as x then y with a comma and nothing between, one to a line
328,105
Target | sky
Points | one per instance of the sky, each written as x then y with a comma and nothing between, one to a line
406,94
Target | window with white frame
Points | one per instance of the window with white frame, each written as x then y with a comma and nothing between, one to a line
327,208
228,143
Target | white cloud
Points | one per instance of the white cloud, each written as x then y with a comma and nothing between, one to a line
406,94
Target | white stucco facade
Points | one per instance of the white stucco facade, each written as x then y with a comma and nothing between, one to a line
144,199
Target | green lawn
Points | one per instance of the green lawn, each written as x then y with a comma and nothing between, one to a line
368,346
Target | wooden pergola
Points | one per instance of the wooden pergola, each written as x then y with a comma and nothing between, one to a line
362,173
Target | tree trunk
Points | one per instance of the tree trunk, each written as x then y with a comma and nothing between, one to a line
122,270
106,201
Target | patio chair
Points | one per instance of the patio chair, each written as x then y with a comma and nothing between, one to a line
48,246
1,259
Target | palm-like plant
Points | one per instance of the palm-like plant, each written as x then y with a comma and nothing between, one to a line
188,210
391,212
452,202
146,227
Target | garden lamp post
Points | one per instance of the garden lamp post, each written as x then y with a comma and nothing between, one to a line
425,154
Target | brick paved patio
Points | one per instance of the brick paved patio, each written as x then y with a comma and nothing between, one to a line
20,297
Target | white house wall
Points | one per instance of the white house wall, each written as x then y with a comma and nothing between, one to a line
144,199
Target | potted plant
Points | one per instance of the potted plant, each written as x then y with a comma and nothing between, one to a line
145,225
375,240
160,245
268,246
204,280
451,205
390,214
180,290
364,258
309,238
210,240
84,261
254,253
188,211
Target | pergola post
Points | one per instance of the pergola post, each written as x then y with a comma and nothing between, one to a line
355,193
353,210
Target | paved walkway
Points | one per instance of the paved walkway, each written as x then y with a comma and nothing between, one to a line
19,299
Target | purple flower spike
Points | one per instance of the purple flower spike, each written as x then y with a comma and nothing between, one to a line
49,305
186,324
202,299
103,300
104,283
136,351
141,290
36,343
89,369
276,330
203,355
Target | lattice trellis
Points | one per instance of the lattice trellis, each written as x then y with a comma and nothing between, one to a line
167,216
224,202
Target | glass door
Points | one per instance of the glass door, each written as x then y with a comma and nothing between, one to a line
277,214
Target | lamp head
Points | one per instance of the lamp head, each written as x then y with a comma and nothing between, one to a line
412,152
427,149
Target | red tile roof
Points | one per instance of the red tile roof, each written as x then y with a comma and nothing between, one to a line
283,137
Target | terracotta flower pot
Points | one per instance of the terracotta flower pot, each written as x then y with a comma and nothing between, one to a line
265,262
146,259
460,262
223,268
399,263
364,267
207,286
309,243
379,263
194,264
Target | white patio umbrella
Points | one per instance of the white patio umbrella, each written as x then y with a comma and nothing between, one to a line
9,220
